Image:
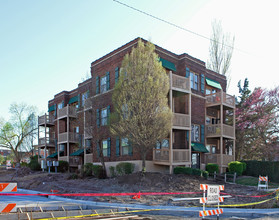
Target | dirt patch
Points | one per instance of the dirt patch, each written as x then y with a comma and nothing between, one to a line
136,182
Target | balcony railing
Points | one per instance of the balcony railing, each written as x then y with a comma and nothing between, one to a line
179,155
68,111
219,130
68,137
181,120
180,83
46,141
64,158
88,132
88,104
46,119
75,161
216,158
220,98
88,158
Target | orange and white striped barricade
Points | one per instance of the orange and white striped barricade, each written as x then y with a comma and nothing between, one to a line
8,187
263,182
213,196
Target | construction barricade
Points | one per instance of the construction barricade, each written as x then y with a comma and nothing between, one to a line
8,187
263,182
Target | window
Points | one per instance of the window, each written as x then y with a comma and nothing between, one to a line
194,81
213,149
60,105
208,148
84,96
103,84
163,144
210,91
105,148
125,146
195,133
104,117
76,130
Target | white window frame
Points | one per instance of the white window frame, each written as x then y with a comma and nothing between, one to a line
105,147
194,81
125,146
60,105
84,96
195,133
103,84
104,117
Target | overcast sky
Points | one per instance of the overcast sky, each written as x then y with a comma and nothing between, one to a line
47,46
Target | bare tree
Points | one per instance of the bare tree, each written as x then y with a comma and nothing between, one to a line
220,50
14,133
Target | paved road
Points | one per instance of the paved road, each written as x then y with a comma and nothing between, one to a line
35,201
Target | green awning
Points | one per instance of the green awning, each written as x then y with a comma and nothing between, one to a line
167,64
77,153
213,83
51,108
53,155
73,99
199,147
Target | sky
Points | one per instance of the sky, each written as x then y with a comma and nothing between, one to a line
47,46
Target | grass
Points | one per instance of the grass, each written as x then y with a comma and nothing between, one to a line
253,181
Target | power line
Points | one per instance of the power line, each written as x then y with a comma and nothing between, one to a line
174,25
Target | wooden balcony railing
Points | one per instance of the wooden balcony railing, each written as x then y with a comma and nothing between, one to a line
46,120
68,137
179,155
68,111
220,98
216,158
181,120
88,158
88,132
180,83
75,161
46,141
64,158
88,104
219,130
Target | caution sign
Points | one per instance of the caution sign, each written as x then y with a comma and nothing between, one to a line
213,193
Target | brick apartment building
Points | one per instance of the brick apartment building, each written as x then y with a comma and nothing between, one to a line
203,124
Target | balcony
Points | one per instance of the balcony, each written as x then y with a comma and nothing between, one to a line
64,158
88,158
220,98
181,120
162,156
68,137
88,132
219,130
47,120
216,158
88,104
68,111
75,161
50,142
180,83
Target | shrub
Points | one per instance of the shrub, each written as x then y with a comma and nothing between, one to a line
183,170
99,172
205,174
24,164
34,164
88,169
112,171
212,167
244,166
63,166
196,172
125,168
236,166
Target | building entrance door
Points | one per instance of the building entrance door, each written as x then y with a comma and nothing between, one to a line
196,160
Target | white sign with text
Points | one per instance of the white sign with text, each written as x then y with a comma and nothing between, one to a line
213,193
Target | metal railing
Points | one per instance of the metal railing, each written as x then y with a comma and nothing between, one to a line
88,132
46,141
181,120
74,160
64,158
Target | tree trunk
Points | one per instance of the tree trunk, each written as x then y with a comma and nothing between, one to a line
143,157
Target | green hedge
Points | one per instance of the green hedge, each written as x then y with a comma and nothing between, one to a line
34,164
190,171
212,167
63,166
125,168
263,168
236,166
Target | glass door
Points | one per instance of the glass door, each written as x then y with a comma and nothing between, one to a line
196,160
